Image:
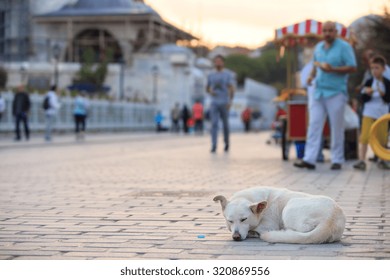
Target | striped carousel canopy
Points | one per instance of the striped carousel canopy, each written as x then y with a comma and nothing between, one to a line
299,33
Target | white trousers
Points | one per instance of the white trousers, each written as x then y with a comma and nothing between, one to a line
319,109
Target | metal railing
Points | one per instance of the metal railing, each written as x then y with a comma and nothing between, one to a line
103,115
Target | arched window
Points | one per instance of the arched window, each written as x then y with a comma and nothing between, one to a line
100,41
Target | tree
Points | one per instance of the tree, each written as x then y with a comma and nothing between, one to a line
91,73
379,34
265,69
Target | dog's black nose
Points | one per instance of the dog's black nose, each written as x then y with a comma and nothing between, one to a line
236,236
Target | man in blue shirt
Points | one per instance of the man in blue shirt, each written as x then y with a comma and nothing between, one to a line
220,85
333,59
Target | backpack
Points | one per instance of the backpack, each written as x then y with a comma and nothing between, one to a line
46,103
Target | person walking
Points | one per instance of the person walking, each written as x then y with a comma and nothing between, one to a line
2,106
246,118
375,96
333,59
20,108
185,115
80,113
220,86
51,106
175,118
197,114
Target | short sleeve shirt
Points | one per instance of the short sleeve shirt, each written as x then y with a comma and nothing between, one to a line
340,53
219,82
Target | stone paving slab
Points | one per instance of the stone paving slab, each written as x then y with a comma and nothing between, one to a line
149,196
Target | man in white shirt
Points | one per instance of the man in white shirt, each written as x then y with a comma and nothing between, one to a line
51,111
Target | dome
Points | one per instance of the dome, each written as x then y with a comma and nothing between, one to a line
172,49
103,8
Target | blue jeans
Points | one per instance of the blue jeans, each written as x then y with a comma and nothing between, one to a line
219,111
49,126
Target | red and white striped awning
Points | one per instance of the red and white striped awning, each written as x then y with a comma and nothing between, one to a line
298,32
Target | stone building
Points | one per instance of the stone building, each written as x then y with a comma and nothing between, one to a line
42,42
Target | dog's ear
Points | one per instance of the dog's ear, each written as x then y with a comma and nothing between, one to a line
258,207
221,199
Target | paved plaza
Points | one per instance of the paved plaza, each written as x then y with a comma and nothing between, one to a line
149,196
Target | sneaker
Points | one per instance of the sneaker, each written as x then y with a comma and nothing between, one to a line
335,166
213,150
361,165
304,164
383,165
373,159
226,148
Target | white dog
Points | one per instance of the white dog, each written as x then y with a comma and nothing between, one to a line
284,216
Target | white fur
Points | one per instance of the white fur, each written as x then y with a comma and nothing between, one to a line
283,216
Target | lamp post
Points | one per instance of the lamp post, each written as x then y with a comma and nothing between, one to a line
155,73
56,55
24,73
122,79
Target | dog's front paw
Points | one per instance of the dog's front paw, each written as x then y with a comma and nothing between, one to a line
266,236
253,234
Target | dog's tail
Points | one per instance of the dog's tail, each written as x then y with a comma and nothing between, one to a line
330,230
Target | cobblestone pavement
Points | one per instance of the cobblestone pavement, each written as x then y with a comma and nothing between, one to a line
150,197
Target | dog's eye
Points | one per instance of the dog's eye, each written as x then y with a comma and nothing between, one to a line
243,220
230,222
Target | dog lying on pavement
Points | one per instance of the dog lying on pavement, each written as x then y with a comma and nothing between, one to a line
282,216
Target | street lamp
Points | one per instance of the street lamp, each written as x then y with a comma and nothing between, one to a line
155,73
56,55
122,79
24,73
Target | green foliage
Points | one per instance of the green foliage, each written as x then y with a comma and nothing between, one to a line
266,68
379,34
90,72
3,78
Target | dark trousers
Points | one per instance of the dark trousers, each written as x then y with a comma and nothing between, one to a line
185,125
80,122
21,117
199,126
247,125
175,126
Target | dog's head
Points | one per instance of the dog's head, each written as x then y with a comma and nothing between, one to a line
241,215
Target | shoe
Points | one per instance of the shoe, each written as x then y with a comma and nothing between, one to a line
335,166
213,150
304,164
361,165
226,148
383,165
373,159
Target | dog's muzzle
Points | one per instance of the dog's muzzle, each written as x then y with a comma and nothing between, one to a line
237,236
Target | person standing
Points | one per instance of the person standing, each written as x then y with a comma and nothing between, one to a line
185,115
20,108
333,59
246,118
2,106
197,114
220,85
175,118
375,96
80,113
51,106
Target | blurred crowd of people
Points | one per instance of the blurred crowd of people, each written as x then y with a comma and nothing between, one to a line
21,106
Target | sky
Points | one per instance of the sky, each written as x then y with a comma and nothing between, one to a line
252,23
